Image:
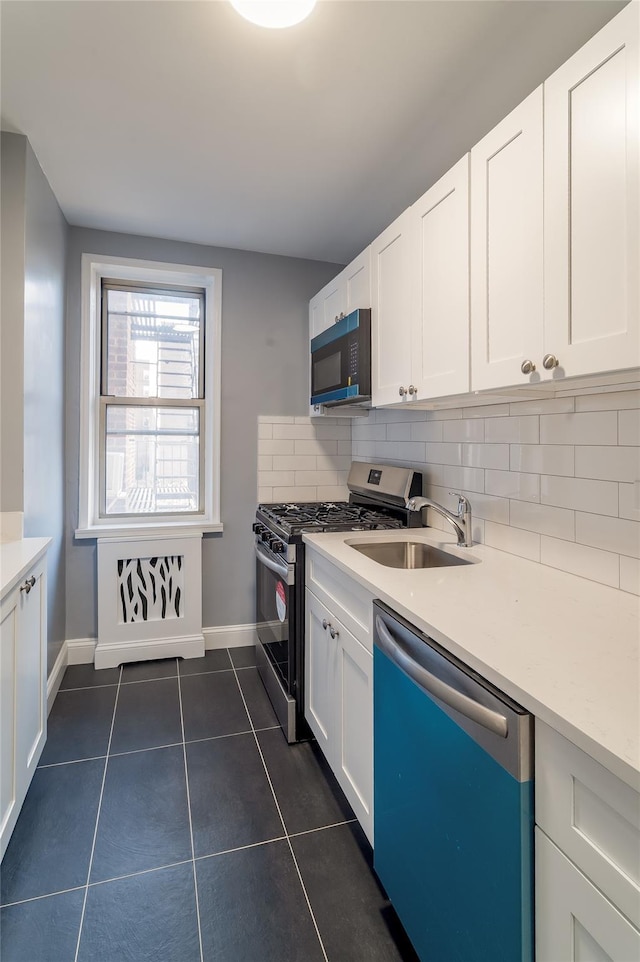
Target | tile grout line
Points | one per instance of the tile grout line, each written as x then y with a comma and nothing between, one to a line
286,832
95,831
193,853
143,681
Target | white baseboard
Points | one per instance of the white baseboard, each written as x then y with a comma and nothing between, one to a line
110,654
55,676
229,636
80,651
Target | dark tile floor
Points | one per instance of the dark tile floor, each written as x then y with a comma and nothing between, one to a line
169,821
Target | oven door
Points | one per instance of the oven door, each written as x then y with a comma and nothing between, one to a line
276,620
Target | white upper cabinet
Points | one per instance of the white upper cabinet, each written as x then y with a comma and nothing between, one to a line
392,260
591,208
440,340
507,248
348,291
420,297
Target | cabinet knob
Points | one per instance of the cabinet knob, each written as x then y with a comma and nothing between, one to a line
412,389
527,367
402,391
333,632
325,623
28,585
549,361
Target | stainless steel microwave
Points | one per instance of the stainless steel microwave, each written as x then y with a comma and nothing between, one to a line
341,361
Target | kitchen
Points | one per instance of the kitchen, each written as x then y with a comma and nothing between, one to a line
459,448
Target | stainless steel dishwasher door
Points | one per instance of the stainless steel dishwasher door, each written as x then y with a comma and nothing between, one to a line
453,801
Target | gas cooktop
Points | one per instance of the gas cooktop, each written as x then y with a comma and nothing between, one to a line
293,519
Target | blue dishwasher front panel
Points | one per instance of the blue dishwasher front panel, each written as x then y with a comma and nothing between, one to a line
453,843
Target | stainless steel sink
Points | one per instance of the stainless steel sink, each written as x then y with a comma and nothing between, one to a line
407,554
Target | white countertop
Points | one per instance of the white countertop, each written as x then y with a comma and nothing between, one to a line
565,648
16,557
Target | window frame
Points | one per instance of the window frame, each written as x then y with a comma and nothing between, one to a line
95,269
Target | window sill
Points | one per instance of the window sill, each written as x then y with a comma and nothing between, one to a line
159,530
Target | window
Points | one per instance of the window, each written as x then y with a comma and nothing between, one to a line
151,397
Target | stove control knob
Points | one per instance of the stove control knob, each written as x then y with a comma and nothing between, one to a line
257,528
264,534
276,545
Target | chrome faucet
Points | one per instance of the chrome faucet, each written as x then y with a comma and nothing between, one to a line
460,522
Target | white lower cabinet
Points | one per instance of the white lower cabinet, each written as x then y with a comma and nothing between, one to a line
587,857
23,680
339,704
574,920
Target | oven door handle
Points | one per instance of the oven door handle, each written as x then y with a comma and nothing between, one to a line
285,571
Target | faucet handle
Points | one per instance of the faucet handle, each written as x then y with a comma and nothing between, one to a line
462,502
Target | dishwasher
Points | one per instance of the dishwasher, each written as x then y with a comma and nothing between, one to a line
453,801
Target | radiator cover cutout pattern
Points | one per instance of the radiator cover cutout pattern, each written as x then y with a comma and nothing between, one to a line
150,589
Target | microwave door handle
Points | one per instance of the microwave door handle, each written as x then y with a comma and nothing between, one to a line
486,717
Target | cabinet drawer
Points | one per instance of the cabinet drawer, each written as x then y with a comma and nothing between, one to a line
574,921
592,816
348,600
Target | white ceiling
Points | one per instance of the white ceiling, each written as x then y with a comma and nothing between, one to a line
179,119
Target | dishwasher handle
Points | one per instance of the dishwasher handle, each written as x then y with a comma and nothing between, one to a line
486,717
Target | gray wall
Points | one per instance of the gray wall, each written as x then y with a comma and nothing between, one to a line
264,371
34,248
12,225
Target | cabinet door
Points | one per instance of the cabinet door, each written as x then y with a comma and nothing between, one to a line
8,647
392,304
327,306
592,212
320,676
506,249
355,707
440,337
31,676
574,921
357,281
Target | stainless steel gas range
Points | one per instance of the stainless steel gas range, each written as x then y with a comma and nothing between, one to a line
377,499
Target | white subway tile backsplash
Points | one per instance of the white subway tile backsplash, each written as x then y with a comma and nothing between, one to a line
428,430
438,452
525,544
315,446
275,447
466,429
610,534
512,484
595,427
592,563
630,575
556,522
613,401
599,497
459,478
607,464
294,462
629,427
519,430
629,501
558,405
486,411
542,458
486,456
555,480
270,479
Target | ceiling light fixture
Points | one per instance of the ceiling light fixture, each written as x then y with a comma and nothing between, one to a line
274,13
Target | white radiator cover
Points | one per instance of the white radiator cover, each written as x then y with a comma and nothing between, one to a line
149,599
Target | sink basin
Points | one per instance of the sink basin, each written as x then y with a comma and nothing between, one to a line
407,554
